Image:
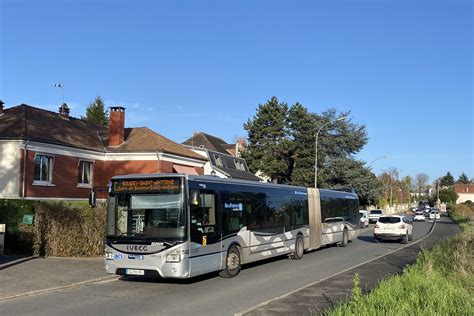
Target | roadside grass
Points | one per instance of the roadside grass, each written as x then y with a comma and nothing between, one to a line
441,282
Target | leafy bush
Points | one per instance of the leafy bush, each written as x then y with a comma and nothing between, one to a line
69,229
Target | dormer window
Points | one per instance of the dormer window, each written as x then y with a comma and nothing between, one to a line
239,165
218,161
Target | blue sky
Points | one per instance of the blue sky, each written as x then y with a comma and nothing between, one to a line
404,68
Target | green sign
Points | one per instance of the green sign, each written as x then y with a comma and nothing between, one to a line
28,219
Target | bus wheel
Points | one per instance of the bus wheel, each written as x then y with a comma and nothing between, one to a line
299,248
345,238
232,266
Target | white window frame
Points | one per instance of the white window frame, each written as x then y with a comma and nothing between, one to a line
82,184
51,167
219,161
239,165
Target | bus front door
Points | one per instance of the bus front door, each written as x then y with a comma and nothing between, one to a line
205,248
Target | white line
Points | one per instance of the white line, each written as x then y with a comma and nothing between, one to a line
60,288
331,276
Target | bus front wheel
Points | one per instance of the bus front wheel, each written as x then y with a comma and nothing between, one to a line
232,266
299,248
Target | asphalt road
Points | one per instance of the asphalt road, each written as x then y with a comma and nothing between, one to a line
209,295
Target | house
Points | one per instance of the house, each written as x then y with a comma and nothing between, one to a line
221,161
465,192
49,155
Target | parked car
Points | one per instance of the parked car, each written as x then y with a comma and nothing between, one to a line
434,215
419,217
393,227
364,218
374,215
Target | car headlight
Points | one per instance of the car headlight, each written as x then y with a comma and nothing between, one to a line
173,257
109,255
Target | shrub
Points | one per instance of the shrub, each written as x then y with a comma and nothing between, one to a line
69,229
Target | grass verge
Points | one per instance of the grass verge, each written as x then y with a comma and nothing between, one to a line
441,282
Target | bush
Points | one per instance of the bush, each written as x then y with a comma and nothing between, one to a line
69,229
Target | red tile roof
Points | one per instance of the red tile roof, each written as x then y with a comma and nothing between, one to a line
25,122
464,188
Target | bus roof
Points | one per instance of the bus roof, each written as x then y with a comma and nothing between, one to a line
215,179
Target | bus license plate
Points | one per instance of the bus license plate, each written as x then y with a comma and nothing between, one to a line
134,272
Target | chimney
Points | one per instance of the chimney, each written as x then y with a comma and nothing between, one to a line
64,111
116,125
1,107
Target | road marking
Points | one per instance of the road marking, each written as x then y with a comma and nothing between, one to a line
61,288
333,275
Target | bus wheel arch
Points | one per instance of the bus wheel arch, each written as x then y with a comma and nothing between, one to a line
233,262
298,252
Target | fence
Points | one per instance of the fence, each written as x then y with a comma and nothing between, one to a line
11,214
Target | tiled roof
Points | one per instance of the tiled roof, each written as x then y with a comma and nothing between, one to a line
143,139
207,141
26,122
464,188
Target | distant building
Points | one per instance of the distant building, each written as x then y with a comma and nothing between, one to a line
223,159
48,155
465,192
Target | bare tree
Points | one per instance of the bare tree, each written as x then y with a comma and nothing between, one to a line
421,180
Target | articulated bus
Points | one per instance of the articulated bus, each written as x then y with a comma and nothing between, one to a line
181,226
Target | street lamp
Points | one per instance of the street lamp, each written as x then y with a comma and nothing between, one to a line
370,164
342,118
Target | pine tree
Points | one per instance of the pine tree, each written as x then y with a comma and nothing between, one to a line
463,179
267,141
96,113
447,180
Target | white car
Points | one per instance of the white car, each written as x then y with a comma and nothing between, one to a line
364,218
419,217
393,227
374,215
434,215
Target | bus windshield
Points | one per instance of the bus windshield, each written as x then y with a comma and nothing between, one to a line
156,215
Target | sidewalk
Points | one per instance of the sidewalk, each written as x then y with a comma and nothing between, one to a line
323,295
41,274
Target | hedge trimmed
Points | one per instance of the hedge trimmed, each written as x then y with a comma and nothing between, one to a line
69,229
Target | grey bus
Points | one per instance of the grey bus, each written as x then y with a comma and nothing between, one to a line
181,226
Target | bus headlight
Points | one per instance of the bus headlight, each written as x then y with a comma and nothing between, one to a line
109,255
173,257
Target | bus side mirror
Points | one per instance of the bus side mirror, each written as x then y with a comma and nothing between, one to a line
194,198
92,198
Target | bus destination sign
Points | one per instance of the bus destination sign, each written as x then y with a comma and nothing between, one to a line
146,185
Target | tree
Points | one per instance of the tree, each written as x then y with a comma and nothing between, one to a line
267,150
96,113
447,180
349,173
281,145
463,179
448,196
421,180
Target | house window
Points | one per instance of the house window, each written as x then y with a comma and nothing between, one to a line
239,165
85,173
43,169
218,161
